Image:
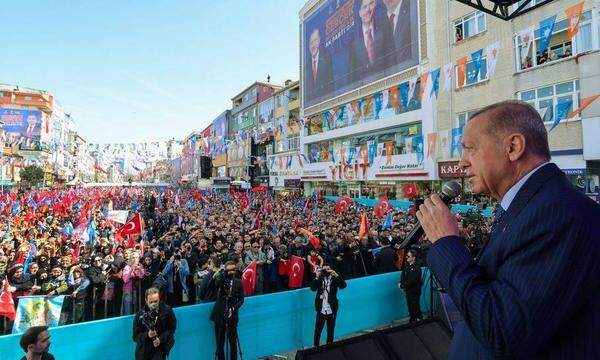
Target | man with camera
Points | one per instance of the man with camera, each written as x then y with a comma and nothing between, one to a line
154,328
230,297
326,284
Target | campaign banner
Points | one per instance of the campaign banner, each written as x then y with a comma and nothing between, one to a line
37,311
119,216
24,122
347,44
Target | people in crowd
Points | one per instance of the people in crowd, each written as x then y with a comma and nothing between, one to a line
44,252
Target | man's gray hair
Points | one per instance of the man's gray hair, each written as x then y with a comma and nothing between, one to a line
152,291
518,116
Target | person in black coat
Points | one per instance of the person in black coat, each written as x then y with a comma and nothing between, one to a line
230,297
154,328
410,282
326,284
385,260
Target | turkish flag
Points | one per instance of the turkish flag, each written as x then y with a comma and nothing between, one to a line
243,203
296,272
364,226
132,227
410,190
284,268
314,241
382,208
249,279
7,305
342,205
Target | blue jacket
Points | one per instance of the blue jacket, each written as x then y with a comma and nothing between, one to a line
534,291
184,271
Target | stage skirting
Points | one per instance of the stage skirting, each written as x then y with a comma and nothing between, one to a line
269,324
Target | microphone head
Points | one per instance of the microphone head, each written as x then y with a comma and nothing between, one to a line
451,189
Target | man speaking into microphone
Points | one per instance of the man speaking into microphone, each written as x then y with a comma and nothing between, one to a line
533,290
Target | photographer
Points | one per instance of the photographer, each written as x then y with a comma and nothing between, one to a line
154,328
326,284
230,297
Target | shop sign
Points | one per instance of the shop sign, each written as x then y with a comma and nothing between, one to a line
394,166
291,183
450,169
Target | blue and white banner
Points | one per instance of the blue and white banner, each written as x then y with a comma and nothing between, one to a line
37,311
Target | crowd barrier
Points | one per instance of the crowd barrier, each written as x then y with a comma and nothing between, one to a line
405,205
269,324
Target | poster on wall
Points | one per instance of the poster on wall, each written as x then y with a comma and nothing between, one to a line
347,44
26,123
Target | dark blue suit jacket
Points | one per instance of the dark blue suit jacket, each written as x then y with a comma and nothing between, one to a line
535,292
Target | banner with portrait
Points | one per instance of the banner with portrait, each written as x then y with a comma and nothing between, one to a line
347,44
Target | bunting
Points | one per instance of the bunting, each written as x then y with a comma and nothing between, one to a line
574,17
461,69
431,141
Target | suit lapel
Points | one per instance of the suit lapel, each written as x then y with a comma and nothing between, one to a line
530,188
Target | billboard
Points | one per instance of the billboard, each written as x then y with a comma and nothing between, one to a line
219,133
347,44
27,123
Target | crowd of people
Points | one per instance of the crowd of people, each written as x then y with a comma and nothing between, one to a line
61,242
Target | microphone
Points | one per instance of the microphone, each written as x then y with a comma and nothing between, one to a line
450,190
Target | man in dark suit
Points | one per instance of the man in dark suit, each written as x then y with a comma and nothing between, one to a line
319,73
398,15
230,297
410,283
532,292
385,260
372,49
326,284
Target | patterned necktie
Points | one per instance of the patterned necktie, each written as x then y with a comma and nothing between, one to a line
392,17
498,213
314,70
370,51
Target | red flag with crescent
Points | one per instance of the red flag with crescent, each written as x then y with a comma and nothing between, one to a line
382,208
342,205
132,227
249,279
314,241
296,272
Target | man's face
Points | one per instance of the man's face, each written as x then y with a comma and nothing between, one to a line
56,272
152,299
315,41
33,269
230,269
366,11
42,345
239,247
483,157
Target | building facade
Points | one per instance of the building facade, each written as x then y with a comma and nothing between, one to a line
373,125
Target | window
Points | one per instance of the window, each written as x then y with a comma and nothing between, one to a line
462,118
546,99
470,77
469,25
530,4
559,46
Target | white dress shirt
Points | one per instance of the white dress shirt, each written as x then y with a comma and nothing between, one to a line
396,13
326,308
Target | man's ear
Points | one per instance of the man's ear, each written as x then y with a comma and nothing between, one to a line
515,146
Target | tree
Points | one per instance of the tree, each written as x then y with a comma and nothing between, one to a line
32,175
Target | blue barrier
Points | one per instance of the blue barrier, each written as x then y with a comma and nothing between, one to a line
405,205
269,324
